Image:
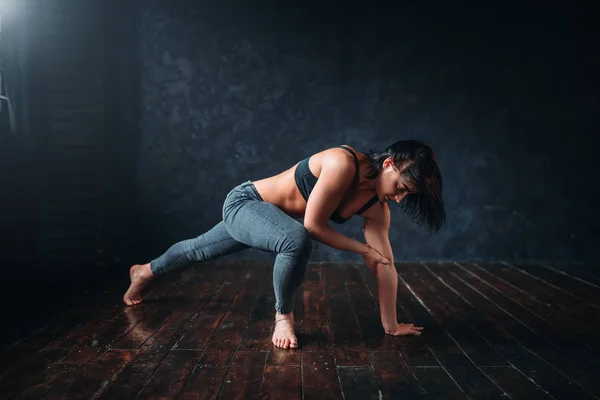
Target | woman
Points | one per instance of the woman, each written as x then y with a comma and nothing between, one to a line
334,184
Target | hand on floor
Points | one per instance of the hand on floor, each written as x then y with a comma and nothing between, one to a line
404,330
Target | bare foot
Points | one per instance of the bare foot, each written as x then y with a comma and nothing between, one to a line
284,336
140,275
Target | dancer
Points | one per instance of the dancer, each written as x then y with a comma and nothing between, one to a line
333,184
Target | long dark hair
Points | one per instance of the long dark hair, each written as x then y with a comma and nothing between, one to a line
418,163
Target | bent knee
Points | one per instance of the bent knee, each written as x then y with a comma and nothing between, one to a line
299,240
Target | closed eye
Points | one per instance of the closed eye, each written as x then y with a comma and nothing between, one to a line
404,188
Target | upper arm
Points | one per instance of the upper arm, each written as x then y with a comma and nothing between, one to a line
337,174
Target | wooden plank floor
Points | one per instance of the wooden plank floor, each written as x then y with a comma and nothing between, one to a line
492,331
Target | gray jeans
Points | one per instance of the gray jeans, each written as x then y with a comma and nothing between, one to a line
249,221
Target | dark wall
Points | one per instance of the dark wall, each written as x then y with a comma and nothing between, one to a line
65,194
238,90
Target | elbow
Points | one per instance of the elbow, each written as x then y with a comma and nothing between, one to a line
313,230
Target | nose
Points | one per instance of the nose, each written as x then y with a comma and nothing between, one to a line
399,197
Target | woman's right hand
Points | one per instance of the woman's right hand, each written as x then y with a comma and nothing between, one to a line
373,258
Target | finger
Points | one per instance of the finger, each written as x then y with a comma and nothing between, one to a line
404,333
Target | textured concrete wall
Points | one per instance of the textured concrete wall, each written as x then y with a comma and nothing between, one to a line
237,90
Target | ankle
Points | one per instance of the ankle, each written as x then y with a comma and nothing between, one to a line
148,272
143,272
284,317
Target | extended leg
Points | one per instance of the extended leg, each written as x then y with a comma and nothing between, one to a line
214,243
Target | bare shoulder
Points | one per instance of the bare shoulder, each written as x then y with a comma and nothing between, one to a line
341,157
335,161
378,213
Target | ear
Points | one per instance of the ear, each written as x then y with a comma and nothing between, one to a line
388,162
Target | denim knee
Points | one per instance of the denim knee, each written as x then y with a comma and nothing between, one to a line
298,241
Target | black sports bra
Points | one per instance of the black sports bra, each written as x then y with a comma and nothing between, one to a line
306,181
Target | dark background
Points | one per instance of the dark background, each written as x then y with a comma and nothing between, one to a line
134,119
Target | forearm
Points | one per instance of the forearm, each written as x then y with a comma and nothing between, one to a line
329,236
387,288
387,277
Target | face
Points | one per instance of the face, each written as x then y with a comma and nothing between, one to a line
391,184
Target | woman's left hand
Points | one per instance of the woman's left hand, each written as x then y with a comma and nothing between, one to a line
404,330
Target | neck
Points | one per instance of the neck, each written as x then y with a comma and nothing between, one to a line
364,183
